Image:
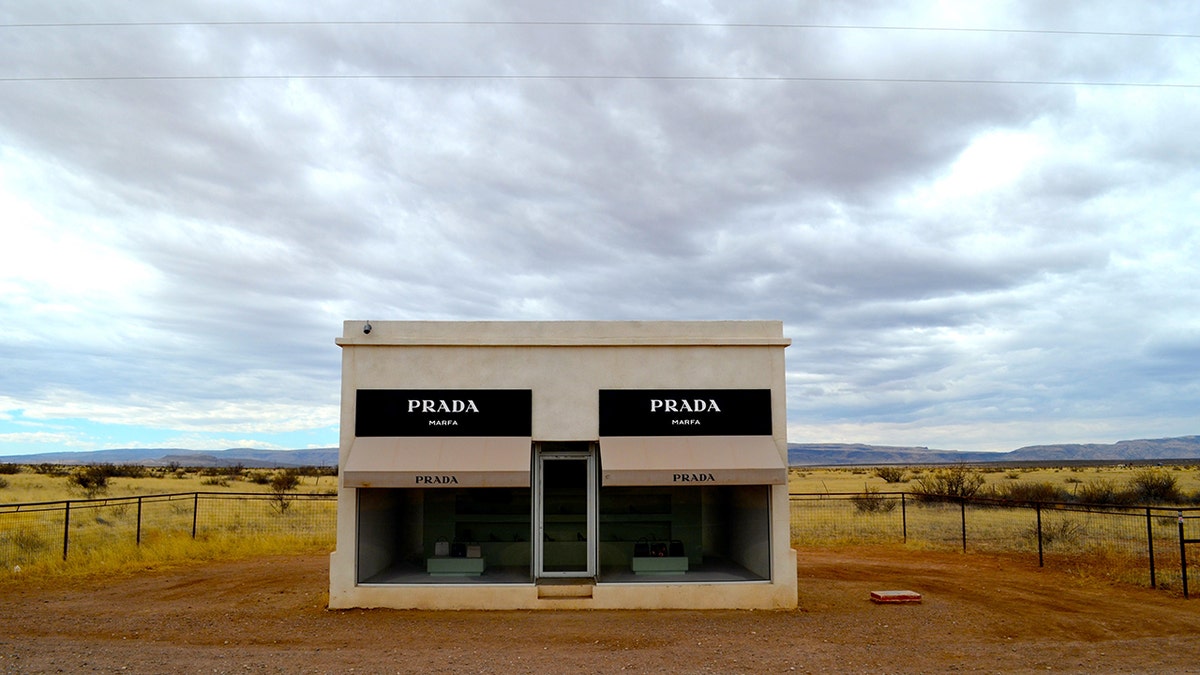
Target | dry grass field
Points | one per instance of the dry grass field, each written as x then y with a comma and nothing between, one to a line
1121,543
1070,478
30,486
130,525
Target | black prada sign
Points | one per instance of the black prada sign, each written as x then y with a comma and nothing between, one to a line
444,412
685,412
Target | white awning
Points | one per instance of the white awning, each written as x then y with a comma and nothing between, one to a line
691,460
419,462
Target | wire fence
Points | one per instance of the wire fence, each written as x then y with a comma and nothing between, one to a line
34,532
1150,546
1145,545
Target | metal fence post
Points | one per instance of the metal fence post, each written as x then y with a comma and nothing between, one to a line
1150,547
67,528
963,505
904,516
1183,556
195,511
139,522
1041,556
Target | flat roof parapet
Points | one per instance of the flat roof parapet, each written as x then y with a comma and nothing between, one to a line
564,333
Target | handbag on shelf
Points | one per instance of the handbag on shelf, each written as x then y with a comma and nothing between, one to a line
641,548
474,550
441,548
458,550
653,548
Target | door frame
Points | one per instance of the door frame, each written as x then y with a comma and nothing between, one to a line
590,456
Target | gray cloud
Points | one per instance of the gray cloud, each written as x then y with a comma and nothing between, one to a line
965,265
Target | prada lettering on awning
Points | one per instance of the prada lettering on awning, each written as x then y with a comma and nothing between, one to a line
691,460
443,412
685,412
393,462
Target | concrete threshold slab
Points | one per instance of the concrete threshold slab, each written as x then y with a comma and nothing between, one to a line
565,588
895,597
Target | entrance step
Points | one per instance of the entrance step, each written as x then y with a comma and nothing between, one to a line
572,589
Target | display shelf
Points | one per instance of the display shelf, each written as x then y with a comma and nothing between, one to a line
634,518
492,518
660,565
455,567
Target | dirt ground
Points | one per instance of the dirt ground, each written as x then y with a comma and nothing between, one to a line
979,614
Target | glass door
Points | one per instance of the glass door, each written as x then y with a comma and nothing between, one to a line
565,510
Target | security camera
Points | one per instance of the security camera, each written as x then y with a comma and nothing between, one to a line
367,329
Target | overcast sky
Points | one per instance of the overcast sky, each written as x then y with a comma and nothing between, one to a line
975,239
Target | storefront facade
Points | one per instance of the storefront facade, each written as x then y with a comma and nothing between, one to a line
541,465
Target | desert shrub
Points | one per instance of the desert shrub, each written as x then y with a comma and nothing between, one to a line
47,469
283,482
91,480
1072,480
891,474
956,482
9,469
1103,491
233,471
113,470
126,471
318,471
3,483
1012,475
1065,531
24,541
218,481
1030,493
1155,486
259,477
870,501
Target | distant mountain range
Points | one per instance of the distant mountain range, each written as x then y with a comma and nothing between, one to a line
250,458
799,454
832,454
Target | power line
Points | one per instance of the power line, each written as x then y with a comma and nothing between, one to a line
673,24
604,24
667,78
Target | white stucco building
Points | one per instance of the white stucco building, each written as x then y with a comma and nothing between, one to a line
537,465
